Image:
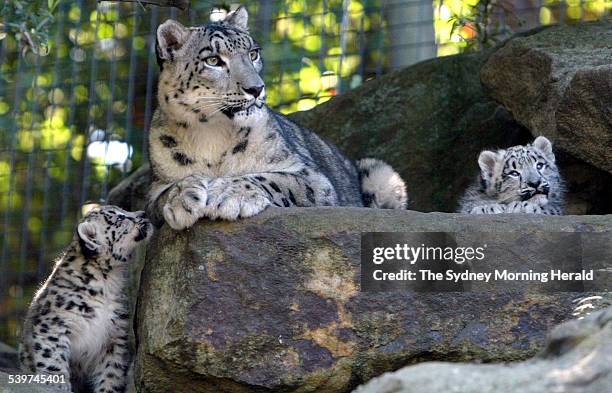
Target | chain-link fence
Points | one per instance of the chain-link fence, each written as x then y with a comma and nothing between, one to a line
74,115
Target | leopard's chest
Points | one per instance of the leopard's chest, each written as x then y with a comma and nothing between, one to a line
216,153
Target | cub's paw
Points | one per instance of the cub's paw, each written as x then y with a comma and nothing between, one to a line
528,207
186,202
494,208
62,387
230,199
514,207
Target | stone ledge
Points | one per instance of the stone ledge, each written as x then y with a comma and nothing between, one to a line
272,303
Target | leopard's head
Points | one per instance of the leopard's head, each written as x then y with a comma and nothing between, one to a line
521,172
210,70
112,233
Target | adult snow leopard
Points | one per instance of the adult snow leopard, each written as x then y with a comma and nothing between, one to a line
77,324
520,179
217,151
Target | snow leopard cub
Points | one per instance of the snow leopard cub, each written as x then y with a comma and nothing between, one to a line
77,324
520,179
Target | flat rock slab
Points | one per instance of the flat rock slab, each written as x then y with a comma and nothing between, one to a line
577,359
272,303
557,82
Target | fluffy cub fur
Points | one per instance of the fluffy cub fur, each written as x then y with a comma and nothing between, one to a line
520,179
77,323
217,151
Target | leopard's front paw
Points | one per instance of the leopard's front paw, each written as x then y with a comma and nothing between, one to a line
230,200
186,202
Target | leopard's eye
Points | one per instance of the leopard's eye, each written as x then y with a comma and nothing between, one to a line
540,165
254,54
514,174
213,61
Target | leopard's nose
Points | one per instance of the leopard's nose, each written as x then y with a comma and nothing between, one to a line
534,184
255,91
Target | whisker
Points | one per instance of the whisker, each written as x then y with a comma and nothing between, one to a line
218,110
207,105
199,98
204,96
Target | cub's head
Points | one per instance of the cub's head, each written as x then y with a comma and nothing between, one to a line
210,70
520,172
109,231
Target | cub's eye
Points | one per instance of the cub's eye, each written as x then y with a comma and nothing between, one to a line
514,174
254,54
540,165
213,61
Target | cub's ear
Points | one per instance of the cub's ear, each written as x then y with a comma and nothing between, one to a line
543,144
171,36
90,245
487,161
238,18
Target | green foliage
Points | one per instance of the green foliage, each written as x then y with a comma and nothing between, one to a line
481,26
29,22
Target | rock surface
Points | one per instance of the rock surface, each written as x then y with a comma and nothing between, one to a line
557,82
577,359
272,303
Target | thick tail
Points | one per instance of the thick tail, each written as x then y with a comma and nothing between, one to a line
381,186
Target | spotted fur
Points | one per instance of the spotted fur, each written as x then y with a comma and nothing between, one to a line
521,179
77,324
217,151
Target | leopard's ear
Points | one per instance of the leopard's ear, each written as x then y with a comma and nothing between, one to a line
545,146
171,36
88,239
487,161
238,18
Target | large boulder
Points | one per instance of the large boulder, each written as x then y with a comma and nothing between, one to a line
577,359
273,303
557,82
